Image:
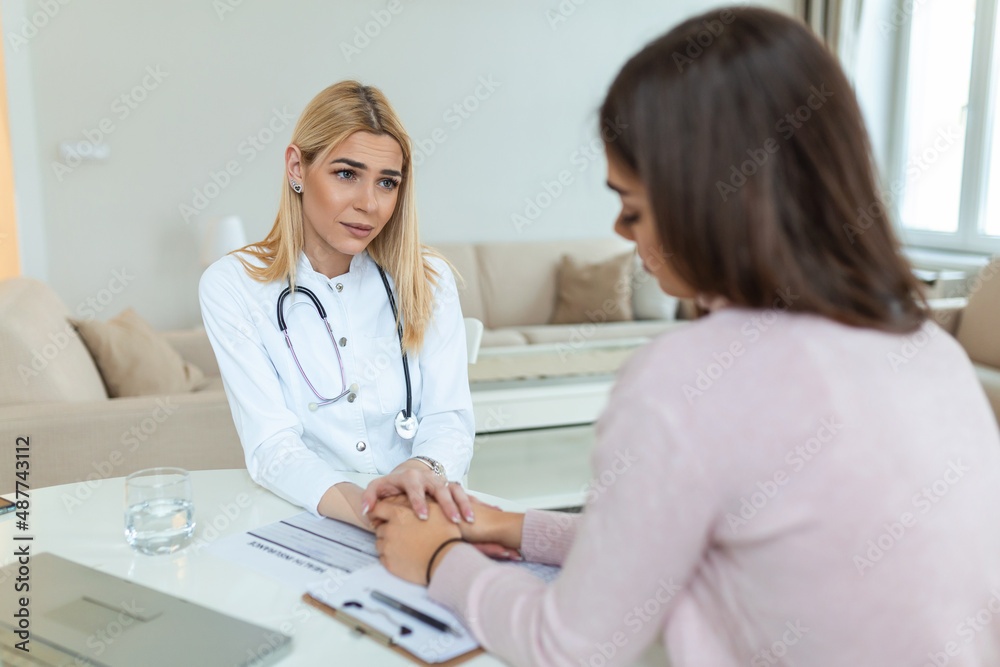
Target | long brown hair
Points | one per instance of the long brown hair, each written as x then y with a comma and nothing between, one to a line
332,116
752,149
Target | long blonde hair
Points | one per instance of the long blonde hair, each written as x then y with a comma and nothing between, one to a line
331,117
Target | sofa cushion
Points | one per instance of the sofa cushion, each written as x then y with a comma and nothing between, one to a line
134,360
575,334
980,323
502,338
193,345
518,280
597,292
463,257
42,359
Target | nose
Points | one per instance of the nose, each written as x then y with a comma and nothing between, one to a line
623,231
366,201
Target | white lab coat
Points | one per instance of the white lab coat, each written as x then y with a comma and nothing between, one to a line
298,453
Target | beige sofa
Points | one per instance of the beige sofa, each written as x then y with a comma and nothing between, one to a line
52,393
511,288
977,328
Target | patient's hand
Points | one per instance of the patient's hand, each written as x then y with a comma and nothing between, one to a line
407,544
487,519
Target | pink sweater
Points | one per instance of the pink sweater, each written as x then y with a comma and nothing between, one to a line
768,489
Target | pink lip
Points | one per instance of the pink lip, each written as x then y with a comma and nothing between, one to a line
357,230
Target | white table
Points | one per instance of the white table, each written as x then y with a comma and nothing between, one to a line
85,525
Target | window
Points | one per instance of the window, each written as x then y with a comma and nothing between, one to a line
949,150
991,222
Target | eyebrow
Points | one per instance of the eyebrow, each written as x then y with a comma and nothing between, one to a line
363,167
617,189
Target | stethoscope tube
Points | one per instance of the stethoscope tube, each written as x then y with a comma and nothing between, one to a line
405,422
399,332
288,341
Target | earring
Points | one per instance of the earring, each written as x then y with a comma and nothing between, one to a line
296,186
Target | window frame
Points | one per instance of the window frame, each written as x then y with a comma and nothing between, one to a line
984,75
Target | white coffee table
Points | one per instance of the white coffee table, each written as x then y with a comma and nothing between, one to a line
91,533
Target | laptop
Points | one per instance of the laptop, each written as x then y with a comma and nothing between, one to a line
80,616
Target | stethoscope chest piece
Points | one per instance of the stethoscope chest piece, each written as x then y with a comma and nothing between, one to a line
406,427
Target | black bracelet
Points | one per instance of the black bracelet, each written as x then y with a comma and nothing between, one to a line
435,555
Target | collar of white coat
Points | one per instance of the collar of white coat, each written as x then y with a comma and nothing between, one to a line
359,265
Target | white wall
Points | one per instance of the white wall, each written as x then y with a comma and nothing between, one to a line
225,73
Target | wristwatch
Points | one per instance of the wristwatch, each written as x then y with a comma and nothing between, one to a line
432,464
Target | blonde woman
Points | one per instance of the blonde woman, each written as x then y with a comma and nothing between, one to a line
339,336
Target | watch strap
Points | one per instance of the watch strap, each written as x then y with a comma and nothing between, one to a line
430,463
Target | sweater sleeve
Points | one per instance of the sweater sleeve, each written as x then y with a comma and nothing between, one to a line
633,549
547,536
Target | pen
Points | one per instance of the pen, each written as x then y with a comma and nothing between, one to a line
410,611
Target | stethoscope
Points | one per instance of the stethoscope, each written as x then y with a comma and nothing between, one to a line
406,423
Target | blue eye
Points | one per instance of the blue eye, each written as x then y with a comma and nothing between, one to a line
389,183
349,174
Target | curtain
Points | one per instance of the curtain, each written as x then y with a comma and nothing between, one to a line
838,23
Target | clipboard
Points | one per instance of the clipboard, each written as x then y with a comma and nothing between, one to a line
383,639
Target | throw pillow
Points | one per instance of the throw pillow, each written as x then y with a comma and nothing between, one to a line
594,292
649,302
134,360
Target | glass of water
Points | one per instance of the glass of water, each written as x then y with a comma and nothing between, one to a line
159,513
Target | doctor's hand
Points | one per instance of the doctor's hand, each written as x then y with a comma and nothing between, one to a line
417,481
405,543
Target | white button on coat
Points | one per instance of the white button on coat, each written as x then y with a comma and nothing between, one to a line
298,453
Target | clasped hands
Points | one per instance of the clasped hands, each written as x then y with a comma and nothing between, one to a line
413,514
406,543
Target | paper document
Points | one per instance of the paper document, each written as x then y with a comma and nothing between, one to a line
330,542
353,596
300,550
304,549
